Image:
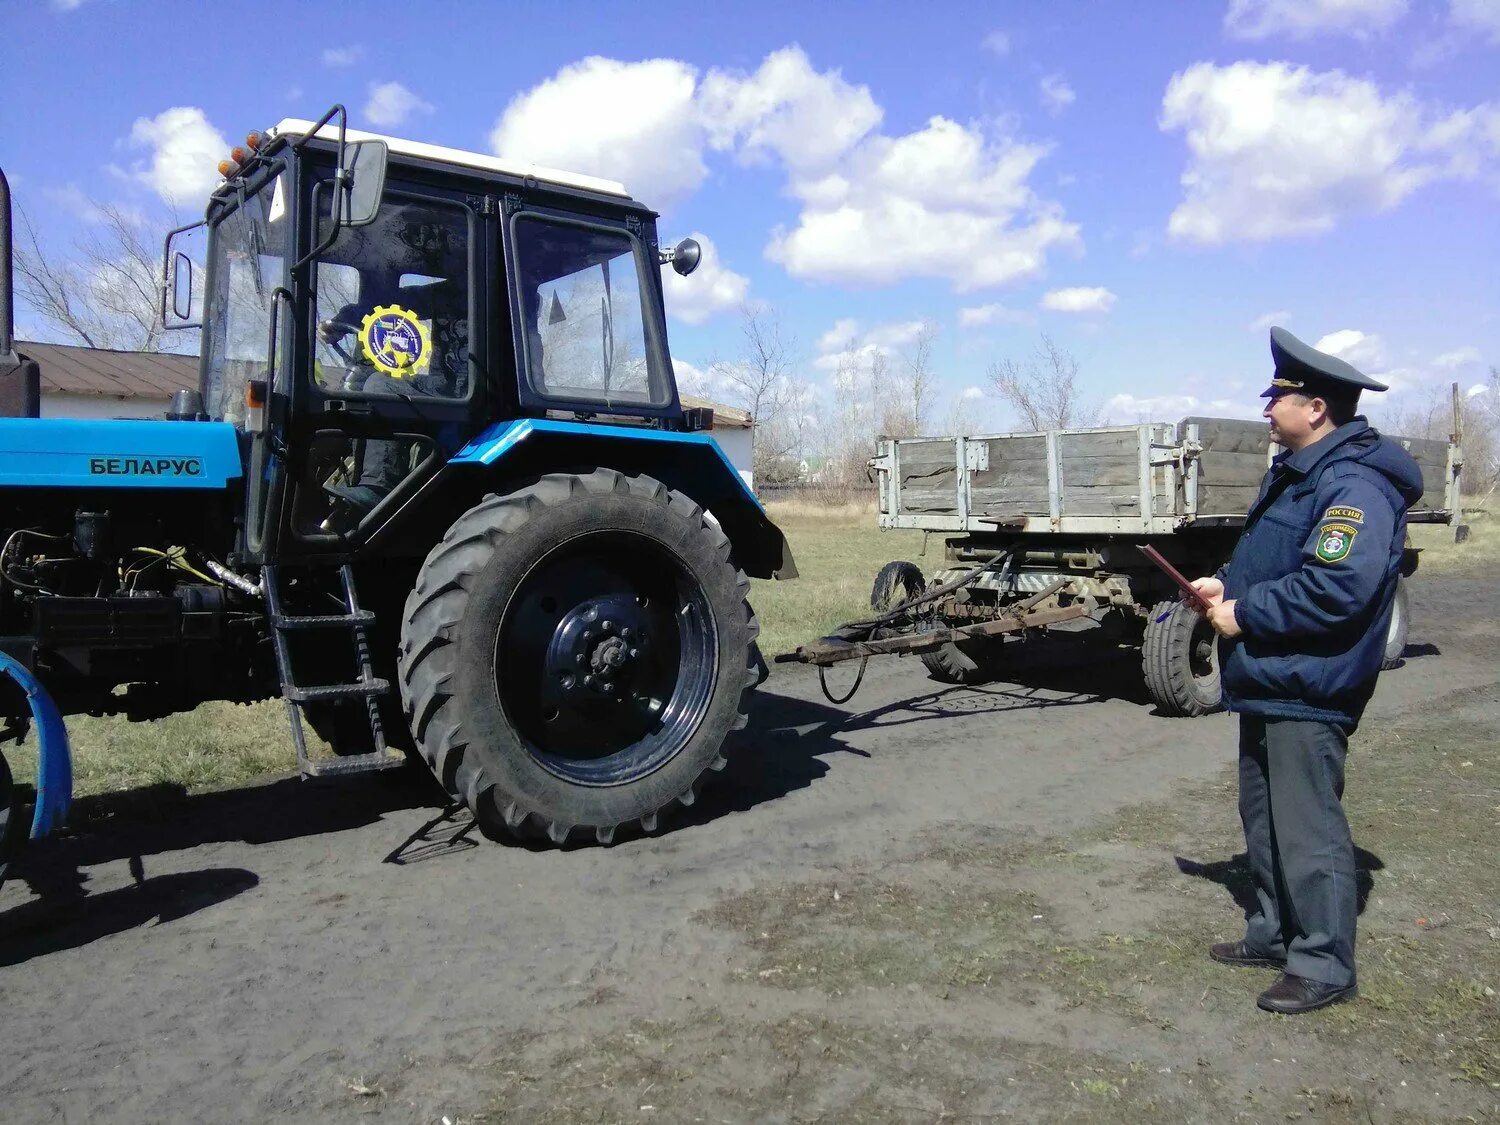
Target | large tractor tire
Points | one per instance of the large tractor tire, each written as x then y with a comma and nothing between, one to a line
1180,658
1395,637
576,654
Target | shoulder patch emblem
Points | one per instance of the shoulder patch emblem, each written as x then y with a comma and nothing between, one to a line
1334,542
1357,515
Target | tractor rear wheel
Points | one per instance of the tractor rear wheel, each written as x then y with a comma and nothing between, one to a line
576,654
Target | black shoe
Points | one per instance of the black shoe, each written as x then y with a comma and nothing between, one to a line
1236,953
1292,995
360,497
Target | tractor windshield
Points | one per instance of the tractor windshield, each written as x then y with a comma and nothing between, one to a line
246,264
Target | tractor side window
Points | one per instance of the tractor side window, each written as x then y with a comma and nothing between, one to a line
247,248
392,304
583,313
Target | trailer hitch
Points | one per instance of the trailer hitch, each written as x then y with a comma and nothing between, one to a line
860,640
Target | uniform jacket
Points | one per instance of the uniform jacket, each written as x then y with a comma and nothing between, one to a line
1314,575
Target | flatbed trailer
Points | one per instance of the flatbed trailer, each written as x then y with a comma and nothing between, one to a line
1063,514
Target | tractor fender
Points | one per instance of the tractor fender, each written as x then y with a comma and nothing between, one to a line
691,463
54,767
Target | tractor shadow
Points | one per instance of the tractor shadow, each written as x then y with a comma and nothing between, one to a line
52,924
136,824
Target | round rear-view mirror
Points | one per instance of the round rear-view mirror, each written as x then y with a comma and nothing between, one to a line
686,255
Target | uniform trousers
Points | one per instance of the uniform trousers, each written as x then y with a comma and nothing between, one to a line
1300,851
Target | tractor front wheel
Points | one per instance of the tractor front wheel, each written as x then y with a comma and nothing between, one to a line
576,653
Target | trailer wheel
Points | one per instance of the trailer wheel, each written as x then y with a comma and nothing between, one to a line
964,662
576,653
895,583
1181,660
1395,637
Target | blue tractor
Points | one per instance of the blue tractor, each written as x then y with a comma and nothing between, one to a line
436,490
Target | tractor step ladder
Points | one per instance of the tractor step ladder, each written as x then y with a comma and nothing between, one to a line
368,687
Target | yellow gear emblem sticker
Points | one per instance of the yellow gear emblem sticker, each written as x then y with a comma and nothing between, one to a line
395,341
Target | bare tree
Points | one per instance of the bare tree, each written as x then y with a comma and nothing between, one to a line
106,294
1428,413
1043,388
918,386
762,381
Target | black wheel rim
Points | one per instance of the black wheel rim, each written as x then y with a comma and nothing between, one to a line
605,658
1202,650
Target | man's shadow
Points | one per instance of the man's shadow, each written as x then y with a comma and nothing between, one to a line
1234,875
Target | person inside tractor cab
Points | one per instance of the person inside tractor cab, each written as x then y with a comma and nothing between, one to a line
399,329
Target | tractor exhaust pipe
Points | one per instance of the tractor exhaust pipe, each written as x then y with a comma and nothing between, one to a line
20,379
7,299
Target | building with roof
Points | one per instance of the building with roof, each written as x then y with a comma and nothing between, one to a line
79,382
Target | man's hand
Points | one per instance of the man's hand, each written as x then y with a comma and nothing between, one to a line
1210,588
1221,617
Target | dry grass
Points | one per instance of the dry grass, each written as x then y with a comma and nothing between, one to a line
213,746
838,549
1479,551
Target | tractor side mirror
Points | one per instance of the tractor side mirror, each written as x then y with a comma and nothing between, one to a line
364,167
183,255
685,256
182,286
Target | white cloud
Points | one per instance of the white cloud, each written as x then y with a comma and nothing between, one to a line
996,43
1477,389
977,316
1476,15
843,333
185,152
711,288
1303,19
1095,299
1269,320
391,103
343,56
844,347
1459,357
1122,409
1277,150
634,122
946,201
1362,349
1057,95
968,394
786,108
67,5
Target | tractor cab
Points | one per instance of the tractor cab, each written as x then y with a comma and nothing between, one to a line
371,305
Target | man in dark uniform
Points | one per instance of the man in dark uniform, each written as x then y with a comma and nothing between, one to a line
1302,611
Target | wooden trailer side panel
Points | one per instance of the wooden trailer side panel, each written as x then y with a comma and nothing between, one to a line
1015,484
927,476
1234,458
1101,473
1431,456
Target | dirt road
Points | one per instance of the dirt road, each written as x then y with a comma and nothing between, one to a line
950,901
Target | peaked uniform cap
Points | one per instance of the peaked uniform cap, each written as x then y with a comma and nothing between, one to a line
1302,368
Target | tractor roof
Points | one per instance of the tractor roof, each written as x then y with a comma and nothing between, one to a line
480,160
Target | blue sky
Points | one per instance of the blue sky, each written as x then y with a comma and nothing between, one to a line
1151,184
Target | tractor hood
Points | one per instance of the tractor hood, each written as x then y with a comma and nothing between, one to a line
73,453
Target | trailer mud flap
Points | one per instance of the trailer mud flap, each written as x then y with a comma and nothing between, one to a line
54,768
